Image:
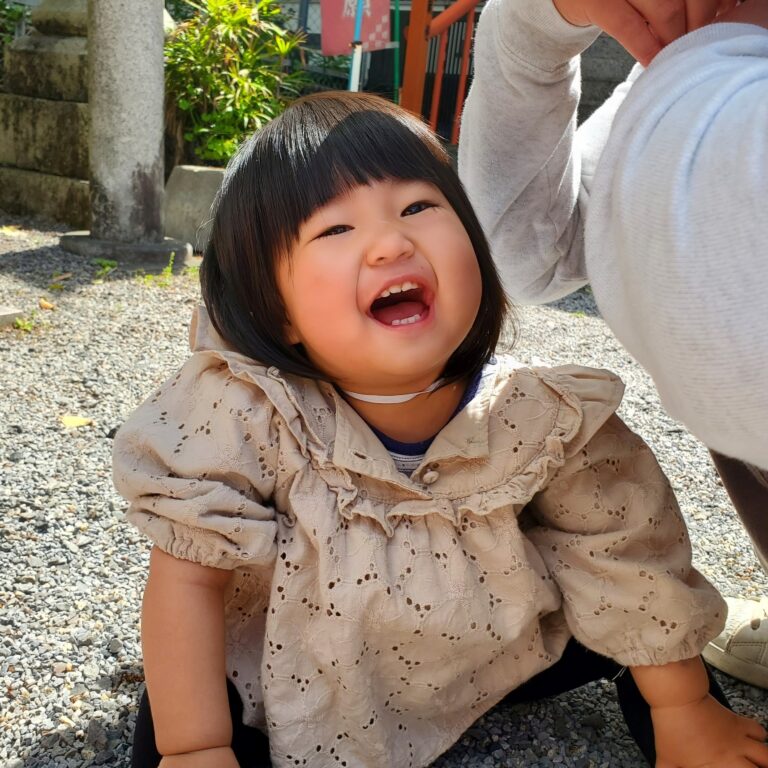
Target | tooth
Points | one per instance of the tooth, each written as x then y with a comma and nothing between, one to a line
395,288
384,294
409,286
396,322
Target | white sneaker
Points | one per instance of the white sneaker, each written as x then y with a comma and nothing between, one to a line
741,650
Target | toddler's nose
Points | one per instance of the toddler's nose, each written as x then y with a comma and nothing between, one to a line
388,247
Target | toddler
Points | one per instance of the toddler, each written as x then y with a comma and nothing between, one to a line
368,529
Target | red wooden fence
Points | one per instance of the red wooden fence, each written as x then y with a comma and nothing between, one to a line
422,28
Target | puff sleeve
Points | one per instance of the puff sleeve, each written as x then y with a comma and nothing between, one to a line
197,462
612,536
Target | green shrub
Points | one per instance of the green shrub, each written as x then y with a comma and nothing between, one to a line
11,14
228,71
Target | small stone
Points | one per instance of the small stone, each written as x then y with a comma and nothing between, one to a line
60,668
594,720
115,646
49,740
82,636
96,735
561,727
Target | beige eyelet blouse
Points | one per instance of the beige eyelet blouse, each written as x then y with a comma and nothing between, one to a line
374,616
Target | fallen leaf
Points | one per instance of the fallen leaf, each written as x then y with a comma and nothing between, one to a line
63,276
71,422
11,230
45,304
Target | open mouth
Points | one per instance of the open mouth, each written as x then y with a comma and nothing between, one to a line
403,304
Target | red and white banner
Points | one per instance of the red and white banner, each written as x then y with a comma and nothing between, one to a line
338,26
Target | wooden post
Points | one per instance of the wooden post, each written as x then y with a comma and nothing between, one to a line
416,49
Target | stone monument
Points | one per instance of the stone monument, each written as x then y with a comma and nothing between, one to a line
125,145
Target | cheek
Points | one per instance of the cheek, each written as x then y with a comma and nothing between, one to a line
318,298
468,279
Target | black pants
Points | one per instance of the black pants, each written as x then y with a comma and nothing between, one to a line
577,667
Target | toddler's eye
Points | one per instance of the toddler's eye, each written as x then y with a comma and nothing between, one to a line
337,229
418,207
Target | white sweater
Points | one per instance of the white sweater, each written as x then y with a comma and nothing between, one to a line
664,209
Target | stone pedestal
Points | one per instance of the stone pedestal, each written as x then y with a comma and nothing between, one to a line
189,196
44,118
126,91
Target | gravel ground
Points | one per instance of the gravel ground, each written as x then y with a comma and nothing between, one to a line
71,571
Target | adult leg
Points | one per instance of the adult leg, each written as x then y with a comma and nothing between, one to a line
250,745
742,649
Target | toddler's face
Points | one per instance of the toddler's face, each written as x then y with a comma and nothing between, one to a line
381,287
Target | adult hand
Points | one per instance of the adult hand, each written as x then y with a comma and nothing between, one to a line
218,757
643,27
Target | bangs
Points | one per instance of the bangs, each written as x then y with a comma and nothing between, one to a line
325,147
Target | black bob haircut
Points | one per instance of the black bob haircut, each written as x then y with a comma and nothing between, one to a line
322,146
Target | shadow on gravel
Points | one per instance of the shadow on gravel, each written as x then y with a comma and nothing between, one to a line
51,268
580,303
105,740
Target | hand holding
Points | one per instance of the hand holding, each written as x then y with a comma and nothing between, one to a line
643,27
705,734
218,757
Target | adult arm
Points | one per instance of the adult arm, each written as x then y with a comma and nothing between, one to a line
677,229
516,155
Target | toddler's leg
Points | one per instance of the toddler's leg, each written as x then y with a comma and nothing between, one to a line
250,745
578,666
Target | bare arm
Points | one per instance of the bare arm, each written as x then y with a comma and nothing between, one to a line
690,727
183,643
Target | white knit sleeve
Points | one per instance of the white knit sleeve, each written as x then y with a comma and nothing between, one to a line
677,233
515,151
